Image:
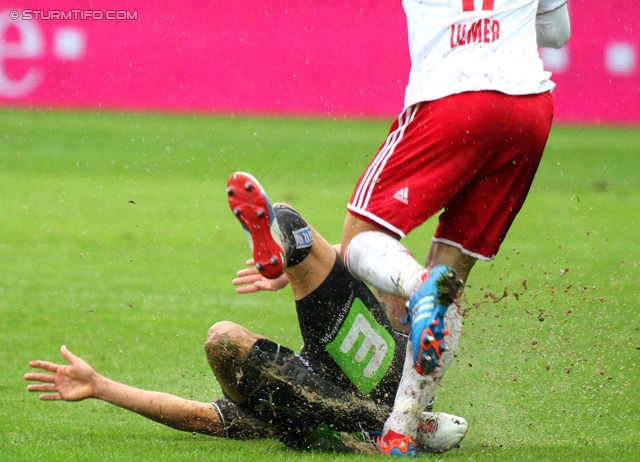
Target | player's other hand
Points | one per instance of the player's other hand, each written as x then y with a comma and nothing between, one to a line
249,280
70,383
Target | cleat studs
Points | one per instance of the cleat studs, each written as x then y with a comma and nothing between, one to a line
274,261
444,348
259,266
439,364
248,186
260,213
446,332
435,322
427,359
230,191
430,339
236,212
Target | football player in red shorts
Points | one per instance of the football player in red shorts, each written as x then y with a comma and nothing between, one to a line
477,115
341,382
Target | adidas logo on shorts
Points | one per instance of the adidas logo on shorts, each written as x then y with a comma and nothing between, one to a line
402,195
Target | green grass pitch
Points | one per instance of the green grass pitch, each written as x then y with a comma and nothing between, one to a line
116,240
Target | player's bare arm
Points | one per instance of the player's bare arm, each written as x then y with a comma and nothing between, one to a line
78,381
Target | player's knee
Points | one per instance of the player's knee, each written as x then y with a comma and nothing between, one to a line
222,336
221,328
227,340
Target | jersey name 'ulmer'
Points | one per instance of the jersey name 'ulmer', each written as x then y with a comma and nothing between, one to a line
484,30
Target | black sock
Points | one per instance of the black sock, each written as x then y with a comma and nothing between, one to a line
296,234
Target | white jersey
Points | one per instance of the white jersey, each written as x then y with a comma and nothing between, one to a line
473,45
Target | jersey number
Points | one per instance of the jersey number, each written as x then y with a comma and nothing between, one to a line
467,5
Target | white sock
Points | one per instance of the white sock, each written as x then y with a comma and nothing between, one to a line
383,262
415,391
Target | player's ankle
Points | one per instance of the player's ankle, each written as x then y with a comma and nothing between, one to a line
416,280
296,234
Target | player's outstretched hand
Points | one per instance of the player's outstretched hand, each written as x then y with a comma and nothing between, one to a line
70,383
249,280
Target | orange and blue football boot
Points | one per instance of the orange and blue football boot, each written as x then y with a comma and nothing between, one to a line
404,446
425,312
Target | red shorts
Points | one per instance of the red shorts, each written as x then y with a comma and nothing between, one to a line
473,154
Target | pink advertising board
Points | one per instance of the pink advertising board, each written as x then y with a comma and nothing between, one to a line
278,57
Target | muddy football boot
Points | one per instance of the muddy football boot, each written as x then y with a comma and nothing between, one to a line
425,311
439,432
